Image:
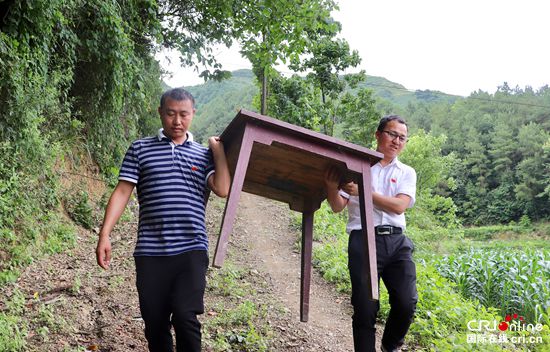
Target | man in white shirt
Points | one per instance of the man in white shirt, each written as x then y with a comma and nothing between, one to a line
394,190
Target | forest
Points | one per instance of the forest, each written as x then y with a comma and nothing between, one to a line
79,81
496,146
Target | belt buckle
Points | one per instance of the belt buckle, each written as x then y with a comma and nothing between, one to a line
384,230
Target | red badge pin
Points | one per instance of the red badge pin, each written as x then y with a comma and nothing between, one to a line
393,180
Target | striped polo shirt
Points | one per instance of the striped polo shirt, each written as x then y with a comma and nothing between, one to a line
171,181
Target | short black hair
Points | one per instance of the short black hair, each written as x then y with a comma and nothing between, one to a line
178,94
386,119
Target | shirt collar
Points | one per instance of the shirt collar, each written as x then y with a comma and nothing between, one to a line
161,136
394,162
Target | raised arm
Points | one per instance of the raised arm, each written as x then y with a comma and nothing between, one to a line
220,181
114,210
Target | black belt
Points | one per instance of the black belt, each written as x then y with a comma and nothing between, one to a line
388,230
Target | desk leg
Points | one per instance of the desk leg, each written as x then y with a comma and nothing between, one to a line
233,199
307,241
370,269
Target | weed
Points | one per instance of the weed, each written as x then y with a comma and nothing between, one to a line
12,333
237,329
79,208
116,281
442,313
236,326
13,328
77,284
44,333
228,281
47,318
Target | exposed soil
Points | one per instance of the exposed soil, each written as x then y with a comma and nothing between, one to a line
84,306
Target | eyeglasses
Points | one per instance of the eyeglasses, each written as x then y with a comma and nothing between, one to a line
394,135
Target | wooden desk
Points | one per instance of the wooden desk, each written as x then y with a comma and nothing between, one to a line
284,162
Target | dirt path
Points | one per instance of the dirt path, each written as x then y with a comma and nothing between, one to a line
70,303
264,228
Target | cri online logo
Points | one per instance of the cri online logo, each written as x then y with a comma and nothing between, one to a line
512,322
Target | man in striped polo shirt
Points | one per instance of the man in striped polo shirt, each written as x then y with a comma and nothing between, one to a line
171,173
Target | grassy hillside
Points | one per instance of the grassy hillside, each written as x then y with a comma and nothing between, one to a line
399,95
218,102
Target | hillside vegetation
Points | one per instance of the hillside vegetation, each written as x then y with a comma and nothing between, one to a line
218,102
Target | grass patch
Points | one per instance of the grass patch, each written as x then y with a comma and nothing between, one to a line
52,235
237,323
13,326
79,208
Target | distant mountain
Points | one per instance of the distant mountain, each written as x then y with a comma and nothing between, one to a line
401,96
218,102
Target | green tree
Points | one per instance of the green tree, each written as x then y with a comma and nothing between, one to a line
360,117
273,30
433,212
500,140
531,170
295,100
194,27
328,57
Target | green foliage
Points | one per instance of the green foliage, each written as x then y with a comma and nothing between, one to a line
73,72
12,333
359,117
60,237
47,235
236,324
295,100
218,102
79,208
48,318
400,97
326,57
13,328
331,259
194,27
515,282
521,229
442,315
273,30
116,81
500,139
424,153
228,281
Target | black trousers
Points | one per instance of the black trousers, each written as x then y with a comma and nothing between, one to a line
171,293
398,271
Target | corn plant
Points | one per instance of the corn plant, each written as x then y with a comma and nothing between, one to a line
510,281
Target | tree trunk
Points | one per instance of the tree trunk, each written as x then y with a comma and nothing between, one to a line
263,109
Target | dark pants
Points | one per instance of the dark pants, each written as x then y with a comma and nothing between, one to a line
171,292
397,270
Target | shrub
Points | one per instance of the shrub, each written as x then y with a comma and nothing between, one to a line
79,209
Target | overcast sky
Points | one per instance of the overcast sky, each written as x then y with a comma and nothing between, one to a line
456,46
